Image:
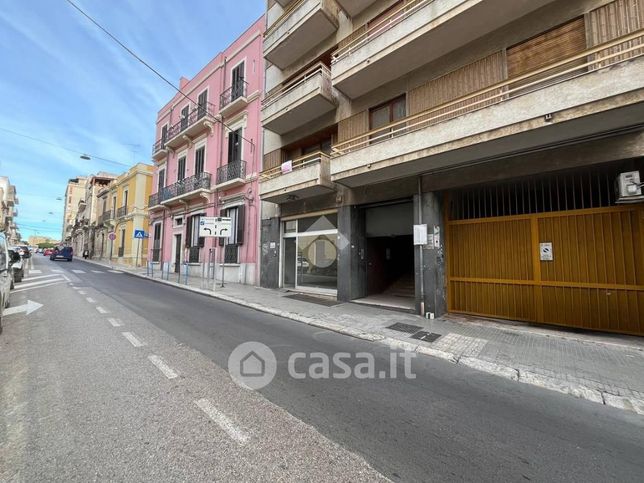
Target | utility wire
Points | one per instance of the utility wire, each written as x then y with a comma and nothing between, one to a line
61,147
161,76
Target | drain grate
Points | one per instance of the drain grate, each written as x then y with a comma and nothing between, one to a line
426,336
408,328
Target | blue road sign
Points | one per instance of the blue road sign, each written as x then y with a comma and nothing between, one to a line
139,233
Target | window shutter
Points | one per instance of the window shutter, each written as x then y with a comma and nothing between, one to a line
222,241
189,232
201,240
241,211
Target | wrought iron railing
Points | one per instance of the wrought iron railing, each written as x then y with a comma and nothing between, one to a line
121,212
159,145
198,113
231,254
193,254
182,187
153,200
230,171
121,251
106,216
234,92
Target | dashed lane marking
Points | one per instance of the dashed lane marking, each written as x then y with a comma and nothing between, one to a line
78,271
97,271
115,271
133,339
162,366
101,310
115,322
82,292
222,421
90,300
56,270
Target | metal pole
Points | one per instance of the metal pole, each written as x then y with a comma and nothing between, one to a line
223,262
420,249
138,249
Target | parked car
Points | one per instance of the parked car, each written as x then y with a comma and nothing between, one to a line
39,250
5,276
48,251
17,266
26,251
66,253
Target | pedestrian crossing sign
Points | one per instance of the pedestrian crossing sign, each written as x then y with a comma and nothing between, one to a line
139,233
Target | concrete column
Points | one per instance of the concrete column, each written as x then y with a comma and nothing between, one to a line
352,264
433,266
270,253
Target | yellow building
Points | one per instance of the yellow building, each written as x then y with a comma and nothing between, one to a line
122,210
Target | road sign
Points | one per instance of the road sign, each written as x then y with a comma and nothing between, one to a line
215,226
139,233
111,235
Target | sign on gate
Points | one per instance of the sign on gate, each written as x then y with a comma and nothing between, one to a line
215,226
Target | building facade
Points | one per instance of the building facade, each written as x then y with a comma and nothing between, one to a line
458,156
74,194
122,209
208,158
8,211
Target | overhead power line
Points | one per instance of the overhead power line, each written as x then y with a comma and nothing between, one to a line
156,72
49,143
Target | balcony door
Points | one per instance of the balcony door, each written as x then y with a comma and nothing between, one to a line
237,82
202,103
185,112
234,145
181,168
200,159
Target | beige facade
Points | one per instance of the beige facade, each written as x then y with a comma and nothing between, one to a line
74,194
8,210
383,115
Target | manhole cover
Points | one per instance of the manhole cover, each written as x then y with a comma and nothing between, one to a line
408,328
426,336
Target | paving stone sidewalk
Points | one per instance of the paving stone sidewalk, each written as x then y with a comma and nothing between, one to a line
607,369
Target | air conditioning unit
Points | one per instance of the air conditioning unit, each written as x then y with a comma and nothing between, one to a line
628,187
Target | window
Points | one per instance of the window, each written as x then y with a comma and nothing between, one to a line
156,243
125,193
181,168
184,117
200,155
234,145
202,104
193,239
161,180
178,221
114,207
237,82
164,135
237,215
385,114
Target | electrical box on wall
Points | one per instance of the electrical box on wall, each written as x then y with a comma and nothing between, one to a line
628,187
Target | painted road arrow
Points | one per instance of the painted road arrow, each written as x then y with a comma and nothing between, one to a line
29,307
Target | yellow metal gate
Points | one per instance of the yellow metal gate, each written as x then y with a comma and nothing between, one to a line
595,279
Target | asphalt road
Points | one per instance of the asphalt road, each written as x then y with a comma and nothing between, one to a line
449,423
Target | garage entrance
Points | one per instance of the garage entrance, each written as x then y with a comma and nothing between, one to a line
554,249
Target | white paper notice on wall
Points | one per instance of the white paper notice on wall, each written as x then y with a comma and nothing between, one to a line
545,251
287,166
420,235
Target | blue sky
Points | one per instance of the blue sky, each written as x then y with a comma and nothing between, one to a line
65,82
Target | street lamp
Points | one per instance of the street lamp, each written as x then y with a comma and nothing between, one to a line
85,157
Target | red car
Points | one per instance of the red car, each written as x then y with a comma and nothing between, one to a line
48,251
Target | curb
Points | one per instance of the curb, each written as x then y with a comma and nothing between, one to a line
579,391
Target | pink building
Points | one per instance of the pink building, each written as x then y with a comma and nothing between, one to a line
208,157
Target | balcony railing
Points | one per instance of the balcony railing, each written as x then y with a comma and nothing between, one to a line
623,49
193,117
296,164
230,171
158,146
234,92
187,185
121,212
106,216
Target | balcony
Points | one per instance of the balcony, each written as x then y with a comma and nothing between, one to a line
354,7
231,175
300,101
198,120
233,99
584,96
304,177
188,188
301,27
414,35
159,150
121,212
106,216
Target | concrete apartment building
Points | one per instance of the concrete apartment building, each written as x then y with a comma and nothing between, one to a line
83,231
502,127
122,208
208,159
8,211
74,193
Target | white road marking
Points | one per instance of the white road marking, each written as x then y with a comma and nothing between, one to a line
82,292
35,271
28,308
75,288
90,300
55,270
133,340
115,322
101,310
40,282
222,420
66,278
163,367
114,271
78,271
40,276
39,286
97,271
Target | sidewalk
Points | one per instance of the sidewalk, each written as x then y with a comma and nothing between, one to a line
606,369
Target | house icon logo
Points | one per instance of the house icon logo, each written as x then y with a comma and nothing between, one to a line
252,365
